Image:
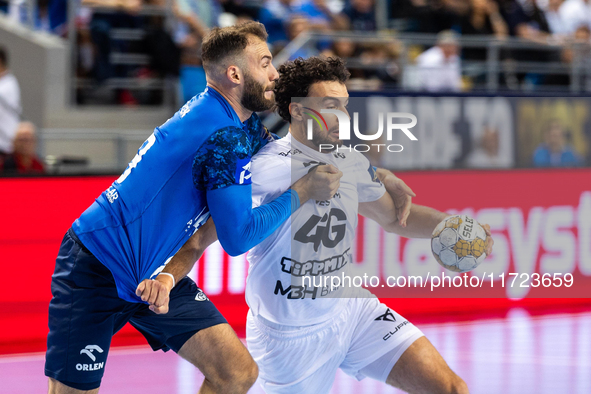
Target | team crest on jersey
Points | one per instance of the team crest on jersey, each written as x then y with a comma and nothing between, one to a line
201,296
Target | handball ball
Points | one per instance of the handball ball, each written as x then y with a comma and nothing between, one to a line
458,243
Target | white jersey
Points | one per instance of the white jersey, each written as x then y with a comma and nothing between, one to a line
316,241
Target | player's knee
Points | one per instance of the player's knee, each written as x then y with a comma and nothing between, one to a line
251,373
245,378
239,380
57,387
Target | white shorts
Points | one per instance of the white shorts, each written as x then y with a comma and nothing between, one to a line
365,340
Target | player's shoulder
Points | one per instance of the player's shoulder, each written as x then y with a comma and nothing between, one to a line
275,149
272,158
204,113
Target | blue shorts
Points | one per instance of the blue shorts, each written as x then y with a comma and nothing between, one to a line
85,312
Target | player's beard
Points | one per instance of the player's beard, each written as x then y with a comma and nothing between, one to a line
253,97
319,136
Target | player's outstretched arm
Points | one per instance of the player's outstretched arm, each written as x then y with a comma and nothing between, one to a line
399,191
393,210
241,227
420,222
156,292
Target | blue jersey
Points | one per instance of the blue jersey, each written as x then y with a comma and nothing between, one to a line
137,224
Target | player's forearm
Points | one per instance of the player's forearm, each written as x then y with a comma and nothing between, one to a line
239,226
420,223
184,260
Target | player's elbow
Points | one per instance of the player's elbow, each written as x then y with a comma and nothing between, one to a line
391,226
235,252
233,246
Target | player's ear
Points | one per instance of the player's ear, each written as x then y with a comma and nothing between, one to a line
296,111
234,75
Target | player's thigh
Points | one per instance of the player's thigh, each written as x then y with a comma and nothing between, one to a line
56,387
421,369
84,313
380,336
219,354
197,331
189,311
297,359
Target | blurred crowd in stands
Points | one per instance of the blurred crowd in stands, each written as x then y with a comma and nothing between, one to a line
18,139
123,46
168,34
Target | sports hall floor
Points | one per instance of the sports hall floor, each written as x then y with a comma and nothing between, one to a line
519,353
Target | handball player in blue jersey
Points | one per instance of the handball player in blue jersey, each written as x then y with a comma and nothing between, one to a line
112,264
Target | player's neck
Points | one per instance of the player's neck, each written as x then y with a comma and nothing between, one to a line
233,100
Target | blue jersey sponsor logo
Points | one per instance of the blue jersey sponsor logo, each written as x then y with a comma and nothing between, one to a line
243,175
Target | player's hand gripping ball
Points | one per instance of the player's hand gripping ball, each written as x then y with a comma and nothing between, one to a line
459,243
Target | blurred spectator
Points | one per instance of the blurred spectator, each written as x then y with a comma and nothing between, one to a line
380,62
580,42
10,104
558,25
275,15
361,15
484,19
49,15
320,17
575,13
486,154
117,14
579,47
241,8
342,48
526,20
439,67
194,17
430,16
24,158
165,55
554,151
57,12
297,26
86,52
198,13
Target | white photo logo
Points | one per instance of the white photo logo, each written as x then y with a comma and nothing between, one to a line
345,129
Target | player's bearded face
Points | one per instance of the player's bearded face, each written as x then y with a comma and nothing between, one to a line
253,96
322,136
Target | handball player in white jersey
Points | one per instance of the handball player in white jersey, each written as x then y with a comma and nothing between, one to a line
299,334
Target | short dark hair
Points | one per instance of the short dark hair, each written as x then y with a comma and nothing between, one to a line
295,79
222,43
3,57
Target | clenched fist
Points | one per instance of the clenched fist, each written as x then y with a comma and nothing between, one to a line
156,293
